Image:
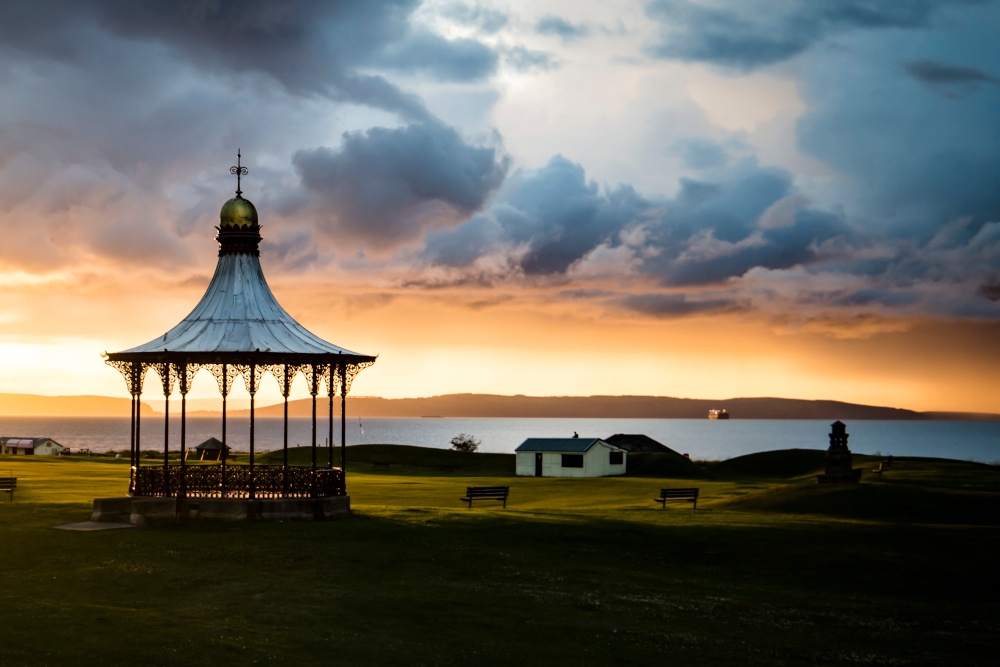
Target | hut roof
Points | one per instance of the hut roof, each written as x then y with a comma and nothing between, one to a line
558,444
638,442
212,443
26,443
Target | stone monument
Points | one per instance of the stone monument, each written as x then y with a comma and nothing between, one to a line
838,458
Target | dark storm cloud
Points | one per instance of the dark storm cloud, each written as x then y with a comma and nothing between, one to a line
731,203
462,246
990,290
555,25
721,230
932,72
461,60
879,296
562,217
779,248
708,233
554,214
111,104
384,185
675,305
307,47
746,35
576,294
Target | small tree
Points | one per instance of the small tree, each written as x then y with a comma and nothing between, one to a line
463,442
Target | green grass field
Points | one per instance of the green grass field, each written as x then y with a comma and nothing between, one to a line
772,569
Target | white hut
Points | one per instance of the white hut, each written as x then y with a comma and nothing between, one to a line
29,446
569,457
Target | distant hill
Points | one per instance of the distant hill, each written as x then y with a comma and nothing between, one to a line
492,405
621,407
30,405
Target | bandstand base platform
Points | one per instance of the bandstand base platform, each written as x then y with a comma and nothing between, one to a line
146,511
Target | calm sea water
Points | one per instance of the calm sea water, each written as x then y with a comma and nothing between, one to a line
701,438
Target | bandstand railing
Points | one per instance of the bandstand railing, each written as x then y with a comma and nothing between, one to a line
238,481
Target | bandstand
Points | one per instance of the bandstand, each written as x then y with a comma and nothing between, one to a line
238,329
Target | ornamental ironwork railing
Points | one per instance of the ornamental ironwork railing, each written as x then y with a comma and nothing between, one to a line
237,481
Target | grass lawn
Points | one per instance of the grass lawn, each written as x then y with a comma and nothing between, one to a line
771,569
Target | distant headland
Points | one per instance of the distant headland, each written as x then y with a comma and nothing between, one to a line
492,405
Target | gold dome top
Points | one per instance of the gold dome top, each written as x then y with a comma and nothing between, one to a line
236,213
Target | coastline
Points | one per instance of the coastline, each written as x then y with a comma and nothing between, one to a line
483,406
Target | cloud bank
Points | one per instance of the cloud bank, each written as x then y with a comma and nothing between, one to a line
359,173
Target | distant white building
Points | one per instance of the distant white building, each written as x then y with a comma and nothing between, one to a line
569,457
30,446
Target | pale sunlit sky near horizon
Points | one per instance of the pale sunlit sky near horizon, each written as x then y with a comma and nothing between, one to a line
696,198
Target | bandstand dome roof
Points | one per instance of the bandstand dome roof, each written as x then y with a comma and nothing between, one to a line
238,212
238,315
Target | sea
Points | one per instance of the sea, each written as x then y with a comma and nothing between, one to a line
702,439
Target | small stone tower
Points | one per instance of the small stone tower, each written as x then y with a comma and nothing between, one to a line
838,458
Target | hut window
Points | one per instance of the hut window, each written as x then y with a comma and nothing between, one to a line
617,458
572,460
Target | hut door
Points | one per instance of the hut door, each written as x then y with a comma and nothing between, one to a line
538,464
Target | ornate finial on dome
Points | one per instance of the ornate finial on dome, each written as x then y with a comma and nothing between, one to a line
238,171
239,231
238,213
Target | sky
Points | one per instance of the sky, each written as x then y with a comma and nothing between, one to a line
693,198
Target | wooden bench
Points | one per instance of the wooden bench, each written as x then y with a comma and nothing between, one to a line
8,484
690,494
381,464
486,493
884,465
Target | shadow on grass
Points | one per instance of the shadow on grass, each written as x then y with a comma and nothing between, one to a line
887,502
431,586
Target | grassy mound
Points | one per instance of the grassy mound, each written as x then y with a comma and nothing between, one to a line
403,459
663,464
913,490
779,464
895,503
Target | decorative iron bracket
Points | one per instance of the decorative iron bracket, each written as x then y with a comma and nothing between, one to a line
251,376
168,375
352,372
224,374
